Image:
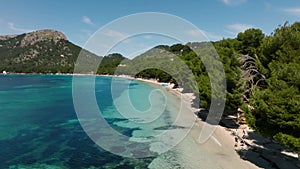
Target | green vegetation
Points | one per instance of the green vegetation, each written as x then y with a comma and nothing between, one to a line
262,76
276,100
45,56
270,76
49,52
109,63
262,72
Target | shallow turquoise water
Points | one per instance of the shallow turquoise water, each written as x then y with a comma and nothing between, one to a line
39,127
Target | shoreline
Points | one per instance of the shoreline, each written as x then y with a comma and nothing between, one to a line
222,135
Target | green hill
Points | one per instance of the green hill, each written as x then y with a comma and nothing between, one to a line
47,51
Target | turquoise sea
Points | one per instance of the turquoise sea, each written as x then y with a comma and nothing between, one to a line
39,127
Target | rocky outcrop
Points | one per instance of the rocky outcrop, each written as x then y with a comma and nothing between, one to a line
42,35
5,37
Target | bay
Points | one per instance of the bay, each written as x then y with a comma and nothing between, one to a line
39,127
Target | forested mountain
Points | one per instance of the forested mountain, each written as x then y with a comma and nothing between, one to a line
47,51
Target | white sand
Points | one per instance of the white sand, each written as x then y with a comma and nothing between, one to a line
217,152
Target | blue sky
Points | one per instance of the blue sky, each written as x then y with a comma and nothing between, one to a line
80,19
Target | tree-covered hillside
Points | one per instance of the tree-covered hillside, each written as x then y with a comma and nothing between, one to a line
262,76
49,51
276,95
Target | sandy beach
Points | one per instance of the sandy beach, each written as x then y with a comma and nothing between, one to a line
220,150
217,152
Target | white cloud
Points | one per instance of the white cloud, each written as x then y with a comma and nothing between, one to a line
87,20
233,2
234,29
292,11
12,26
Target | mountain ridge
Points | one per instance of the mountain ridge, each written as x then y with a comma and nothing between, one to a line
45,51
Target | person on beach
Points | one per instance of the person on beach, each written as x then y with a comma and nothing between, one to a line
236,141
236,133
242,142
244,134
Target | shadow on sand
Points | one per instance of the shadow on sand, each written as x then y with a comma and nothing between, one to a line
261,151
267,153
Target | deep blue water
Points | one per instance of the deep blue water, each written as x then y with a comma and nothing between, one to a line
39,127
